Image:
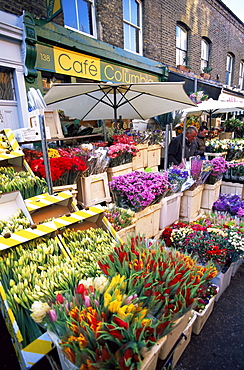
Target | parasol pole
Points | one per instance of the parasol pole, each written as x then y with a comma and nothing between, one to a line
36,102
166,147
115,110
183,140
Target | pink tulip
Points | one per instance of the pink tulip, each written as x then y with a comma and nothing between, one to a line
52,315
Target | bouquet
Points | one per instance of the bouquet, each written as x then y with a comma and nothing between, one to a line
119,217
137,190
122,150
177,176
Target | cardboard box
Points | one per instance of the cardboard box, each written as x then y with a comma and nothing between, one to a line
10,203
93,189
45,206
30,134
51,121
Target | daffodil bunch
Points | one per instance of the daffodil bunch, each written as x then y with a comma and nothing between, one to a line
17,221
4,144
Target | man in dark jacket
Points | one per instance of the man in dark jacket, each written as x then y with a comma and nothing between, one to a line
175,146
201,139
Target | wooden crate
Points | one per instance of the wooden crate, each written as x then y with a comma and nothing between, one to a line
232,188
147,221
191,204
126,232
174,335
153,155
140,160
119,170
210,195
93,190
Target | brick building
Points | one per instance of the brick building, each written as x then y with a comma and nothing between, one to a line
133,40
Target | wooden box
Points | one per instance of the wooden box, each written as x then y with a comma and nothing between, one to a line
191,204
119,170
153,155
140,160
232,188
93,189
147,221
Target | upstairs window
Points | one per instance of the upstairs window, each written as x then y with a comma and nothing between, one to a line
229,69
241,76
205,47
181,45
80,15
132,18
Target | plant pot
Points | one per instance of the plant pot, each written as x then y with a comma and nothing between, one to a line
183,68
205,75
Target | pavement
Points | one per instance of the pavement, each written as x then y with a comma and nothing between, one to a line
219,346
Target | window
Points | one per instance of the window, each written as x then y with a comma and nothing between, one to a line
6,84
204,54
241,76
229,69
132,19
181,46
80,15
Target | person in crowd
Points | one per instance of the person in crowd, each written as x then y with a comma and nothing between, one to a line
175,146
201,140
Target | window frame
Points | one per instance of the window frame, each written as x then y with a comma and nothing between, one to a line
93,17
138,28
229,69
241,75
182,45
205,53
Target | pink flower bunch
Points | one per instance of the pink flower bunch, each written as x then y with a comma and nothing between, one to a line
220,165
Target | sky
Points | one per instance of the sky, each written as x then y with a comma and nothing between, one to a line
237,7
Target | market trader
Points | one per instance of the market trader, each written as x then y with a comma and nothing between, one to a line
175,146
201,139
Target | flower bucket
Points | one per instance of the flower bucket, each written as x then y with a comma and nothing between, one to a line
235,265
65,363
191,204
147,220
151,357
210,195
119,170
172,337
170,210
222,281
126,232
186,338
201,317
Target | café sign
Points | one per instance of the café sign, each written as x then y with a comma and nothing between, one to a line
58,60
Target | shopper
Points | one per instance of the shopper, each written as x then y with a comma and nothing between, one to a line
175,146
201,140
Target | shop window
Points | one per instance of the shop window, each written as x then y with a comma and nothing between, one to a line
49,78
241,76
181,45
132,18
229,69
6,84
205,48
80,15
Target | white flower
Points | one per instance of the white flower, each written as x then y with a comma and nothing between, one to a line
39,311
100,283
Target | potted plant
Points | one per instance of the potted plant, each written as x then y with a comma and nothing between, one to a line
184,67
206,72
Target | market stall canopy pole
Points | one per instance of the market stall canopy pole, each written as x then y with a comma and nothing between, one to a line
36,102
96,101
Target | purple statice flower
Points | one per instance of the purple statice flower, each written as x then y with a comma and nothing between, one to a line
137,190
